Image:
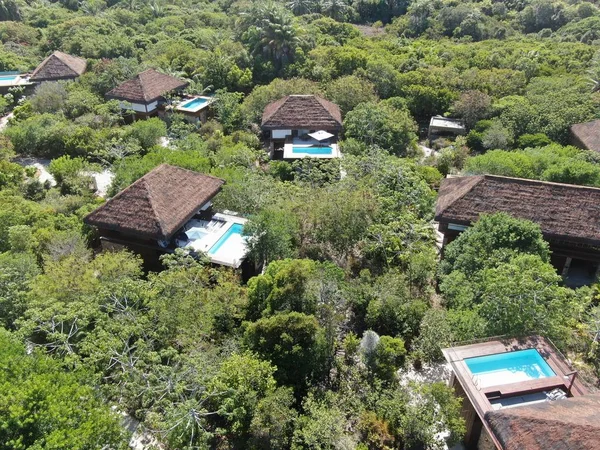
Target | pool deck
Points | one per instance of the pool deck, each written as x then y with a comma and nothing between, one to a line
289,145
230,254
196,109
14,80
480,397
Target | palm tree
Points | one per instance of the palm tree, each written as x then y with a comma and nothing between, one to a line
594,76
131,5
336,9
157,7
277,36
301,6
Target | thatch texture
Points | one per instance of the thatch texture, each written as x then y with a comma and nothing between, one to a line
570,424
302,111
563,211
146,87
586,135
59,66
158,204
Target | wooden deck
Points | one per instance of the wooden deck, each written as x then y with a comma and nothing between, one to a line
456,356
480,397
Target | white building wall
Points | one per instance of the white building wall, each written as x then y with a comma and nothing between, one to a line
139,107
280,134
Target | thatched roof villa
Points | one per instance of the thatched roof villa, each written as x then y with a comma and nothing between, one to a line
568,215
586,135
300,126
59,66
167,208
145,92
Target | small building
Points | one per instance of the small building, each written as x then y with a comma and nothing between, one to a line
170,208
500,380
301,126
440,126
145,93
568,215
586,135
59,66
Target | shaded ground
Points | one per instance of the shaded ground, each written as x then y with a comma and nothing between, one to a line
103,179
41,164
368,31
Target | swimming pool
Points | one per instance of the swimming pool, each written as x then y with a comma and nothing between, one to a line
8,77
510,367
313,150
195,103
234,231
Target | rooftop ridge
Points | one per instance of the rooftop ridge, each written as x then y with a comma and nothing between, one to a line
531,181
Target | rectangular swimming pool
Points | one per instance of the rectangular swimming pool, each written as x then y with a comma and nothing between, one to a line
313,150
194,104
8,77
510,367
234,230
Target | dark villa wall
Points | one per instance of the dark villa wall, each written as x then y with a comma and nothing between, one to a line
151,252
566,257
146,248
473,423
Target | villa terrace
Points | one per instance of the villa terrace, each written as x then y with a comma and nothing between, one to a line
194,107
218,235
303,147
499,375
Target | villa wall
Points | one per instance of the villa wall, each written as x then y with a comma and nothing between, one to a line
485,441
280,134
473,423
562,253
140,107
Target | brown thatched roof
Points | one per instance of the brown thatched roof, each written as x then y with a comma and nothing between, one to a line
563,211
158,204
59,66
587,135
146,87
570,424
302,111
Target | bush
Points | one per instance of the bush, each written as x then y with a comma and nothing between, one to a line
148,132
388,358
385,126
533,140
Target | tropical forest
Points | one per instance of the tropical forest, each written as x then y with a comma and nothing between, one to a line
334,338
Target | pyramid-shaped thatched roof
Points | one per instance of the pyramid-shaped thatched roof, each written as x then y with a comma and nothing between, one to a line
587,135
146,87
563,211
59,66
302,111
158,204
569,424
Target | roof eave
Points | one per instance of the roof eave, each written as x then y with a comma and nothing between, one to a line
299,127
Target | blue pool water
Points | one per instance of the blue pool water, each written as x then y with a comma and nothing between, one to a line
236,228
313,150
8,77
195,103
511,367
